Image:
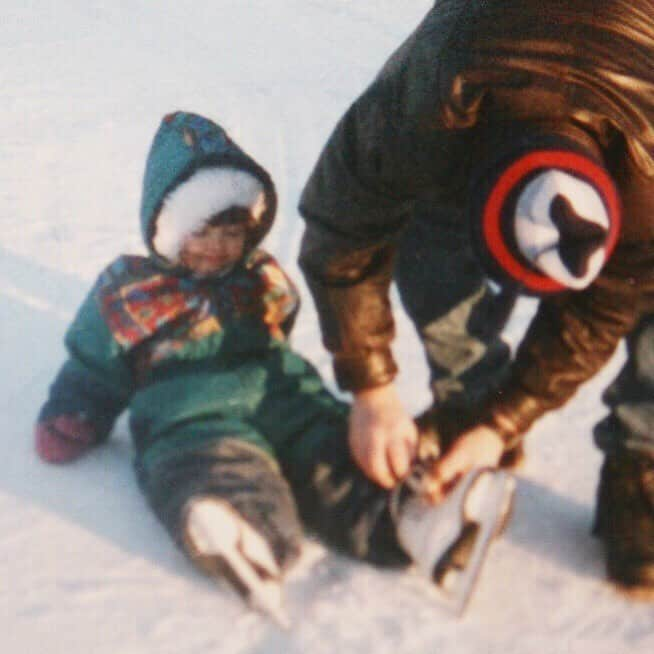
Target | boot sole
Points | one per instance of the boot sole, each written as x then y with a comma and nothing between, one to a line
635,583
641,594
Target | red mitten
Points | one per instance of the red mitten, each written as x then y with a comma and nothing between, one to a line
64,438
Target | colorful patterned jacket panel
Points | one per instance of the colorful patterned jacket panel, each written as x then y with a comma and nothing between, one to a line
156,316
138,319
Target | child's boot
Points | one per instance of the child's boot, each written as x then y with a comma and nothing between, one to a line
234,515
448,541
223,544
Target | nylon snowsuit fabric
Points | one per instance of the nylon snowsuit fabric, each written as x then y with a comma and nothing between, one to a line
218,401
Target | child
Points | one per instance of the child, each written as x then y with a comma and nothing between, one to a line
234,433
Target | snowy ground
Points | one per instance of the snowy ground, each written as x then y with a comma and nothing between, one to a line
84,567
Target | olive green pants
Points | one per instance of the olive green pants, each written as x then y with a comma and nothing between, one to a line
458,316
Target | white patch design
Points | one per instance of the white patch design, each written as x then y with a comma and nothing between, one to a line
537,236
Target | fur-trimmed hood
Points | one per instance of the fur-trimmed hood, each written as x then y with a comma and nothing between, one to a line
193,171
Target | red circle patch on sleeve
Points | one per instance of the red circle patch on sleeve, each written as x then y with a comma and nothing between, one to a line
514,175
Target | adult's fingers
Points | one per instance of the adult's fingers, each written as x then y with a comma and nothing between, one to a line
443,475
369,453
451,466
401,453
398,457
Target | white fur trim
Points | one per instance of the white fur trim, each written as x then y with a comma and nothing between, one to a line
210,190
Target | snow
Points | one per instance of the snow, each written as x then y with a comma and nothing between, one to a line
84,566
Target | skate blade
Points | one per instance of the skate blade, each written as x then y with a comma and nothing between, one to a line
227,547
492,502
261,592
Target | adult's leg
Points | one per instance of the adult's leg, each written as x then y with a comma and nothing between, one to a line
456,313
625,497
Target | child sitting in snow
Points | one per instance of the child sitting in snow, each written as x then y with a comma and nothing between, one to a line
234,433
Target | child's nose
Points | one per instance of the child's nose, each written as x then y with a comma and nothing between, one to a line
215,247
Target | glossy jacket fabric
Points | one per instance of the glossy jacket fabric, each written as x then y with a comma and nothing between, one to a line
472,77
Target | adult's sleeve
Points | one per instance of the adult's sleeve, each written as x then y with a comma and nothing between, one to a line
393,145
568,341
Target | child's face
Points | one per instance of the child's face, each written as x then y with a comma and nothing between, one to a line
214,248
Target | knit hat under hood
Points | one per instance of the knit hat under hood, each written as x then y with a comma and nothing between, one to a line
194,171
545,214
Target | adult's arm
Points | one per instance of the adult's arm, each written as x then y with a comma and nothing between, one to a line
569,340
392,145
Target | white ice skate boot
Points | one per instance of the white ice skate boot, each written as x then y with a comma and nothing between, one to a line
448,542
222,542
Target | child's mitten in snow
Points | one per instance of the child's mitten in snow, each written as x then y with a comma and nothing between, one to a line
64,438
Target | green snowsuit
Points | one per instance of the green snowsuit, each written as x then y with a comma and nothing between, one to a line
219,404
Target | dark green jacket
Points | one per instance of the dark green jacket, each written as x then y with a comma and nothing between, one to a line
472,75
192,359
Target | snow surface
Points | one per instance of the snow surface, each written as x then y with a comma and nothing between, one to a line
84,567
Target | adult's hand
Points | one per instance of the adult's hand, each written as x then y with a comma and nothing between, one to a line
383,437
479,447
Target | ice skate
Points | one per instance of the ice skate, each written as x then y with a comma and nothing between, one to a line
448,542
222,543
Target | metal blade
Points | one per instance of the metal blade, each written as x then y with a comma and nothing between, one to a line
492,505
263,594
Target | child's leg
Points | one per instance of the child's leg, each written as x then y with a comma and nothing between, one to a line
351,513
307,427
340,504
238,477
447,542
